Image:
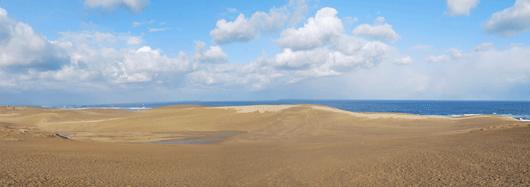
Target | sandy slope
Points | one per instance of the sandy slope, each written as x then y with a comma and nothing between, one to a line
302,145
283,123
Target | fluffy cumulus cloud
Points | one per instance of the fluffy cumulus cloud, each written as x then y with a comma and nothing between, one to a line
510,21
134,40
21,47
460,7
132,6
240,30
291,66
79,59
351,51
318,48
323,29
213,55
377,31
143,64
119,66
255,75
314,54
455,53
244,29
404,60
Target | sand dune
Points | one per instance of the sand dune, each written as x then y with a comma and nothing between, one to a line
282,123
256,108
285,145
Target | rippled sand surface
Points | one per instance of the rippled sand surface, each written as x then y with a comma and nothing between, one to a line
288,145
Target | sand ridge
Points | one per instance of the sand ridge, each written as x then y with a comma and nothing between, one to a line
278,108
256,108
261,123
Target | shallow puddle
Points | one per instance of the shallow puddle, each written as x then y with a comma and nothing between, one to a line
201,137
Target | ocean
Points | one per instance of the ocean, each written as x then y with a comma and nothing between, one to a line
516,109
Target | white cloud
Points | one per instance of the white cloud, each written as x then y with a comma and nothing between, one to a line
380,19
231,10
21,47
133,6
404,60
239,30
245,29
301,59
136,24
128,65
483,46
157,29
510,21
255,75
434,59
213,55
377,31
134,40
321,30
319,48
3,12
421,47
455,53
293,66
93,61
351,51
460,7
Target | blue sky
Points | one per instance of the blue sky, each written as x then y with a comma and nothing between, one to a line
120,51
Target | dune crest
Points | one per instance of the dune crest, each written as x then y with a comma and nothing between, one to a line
373,115
258,123
259,108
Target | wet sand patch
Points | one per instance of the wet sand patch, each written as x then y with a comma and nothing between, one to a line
200,137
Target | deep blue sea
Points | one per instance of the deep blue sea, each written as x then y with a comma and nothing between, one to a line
516,109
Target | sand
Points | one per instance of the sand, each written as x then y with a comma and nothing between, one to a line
287,145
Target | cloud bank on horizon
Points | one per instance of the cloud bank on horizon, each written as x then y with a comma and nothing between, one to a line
319,52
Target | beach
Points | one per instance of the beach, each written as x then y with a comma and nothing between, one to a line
261,145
